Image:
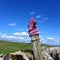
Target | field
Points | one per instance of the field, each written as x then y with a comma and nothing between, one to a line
8,47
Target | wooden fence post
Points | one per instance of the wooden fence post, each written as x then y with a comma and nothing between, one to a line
36,47
33,33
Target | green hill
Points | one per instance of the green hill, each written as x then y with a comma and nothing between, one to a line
8,47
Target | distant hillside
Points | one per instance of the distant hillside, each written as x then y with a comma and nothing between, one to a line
8,47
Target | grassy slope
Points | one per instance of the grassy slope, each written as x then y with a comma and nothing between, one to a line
8,47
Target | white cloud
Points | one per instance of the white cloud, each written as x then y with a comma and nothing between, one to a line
41,38
50,38
23,37
46,18
20,38
27,39
7,36
31,13
4,36
24,33
12,24
21,34
17,34
20,29
41,21
38,16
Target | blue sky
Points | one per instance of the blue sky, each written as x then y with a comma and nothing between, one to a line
15,14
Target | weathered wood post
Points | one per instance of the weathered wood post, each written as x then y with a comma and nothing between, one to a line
33,33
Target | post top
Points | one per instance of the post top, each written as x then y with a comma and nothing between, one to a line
32,29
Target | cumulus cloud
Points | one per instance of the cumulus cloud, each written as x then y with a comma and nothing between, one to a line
21,34
3,37
25,38
12,24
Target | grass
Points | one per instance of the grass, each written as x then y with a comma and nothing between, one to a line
9,47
